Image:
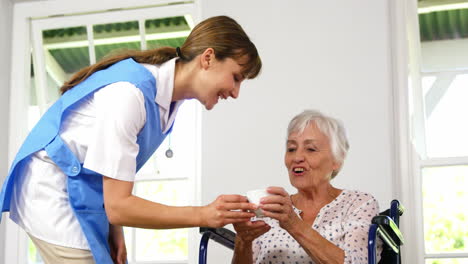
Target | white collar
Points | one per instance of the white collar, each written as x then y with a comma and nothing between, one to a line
164,75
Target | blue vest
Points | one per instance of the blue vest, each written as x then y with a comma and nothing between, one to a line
85,186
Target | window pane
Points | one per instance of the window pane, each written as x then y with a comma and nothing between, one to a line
163,244
116,37
171,31
171,192
446,128
170,244
33,110
445,209
65,52
128,234
33,254
427,82
447,261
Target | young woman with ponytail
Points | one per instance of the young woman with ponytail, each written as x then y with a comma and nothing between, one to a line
70,185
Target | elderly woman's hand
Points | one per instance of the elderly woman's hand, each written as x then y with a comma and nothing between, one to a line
248,231
279,206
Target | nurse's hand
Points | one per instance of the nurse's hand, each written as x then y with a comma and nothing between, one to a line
117,244
227,209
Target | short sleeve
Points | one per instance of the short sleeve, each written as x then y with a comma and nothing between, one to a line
120,115
356,228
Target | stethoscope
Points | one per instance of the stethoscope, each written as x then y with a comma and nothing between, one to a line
169,152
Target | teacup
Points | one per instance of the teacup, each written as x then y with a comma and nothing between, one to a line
254,197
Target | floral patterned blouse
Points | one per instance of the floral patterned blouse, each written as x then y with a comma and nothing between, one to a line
345,222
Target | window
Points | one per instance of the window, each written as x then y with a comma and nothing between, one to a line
444,167
81,40
438,110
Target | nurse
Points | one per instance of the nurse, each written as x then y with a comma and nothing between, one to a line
70,185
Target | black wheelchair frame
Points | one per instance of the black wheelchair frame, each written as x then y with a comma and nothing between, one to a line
386,227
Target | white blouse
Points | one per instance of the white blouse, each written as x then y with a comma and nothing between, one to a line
344,222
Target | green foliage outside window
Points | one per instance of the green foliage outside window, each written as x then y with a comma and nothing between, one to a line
445,212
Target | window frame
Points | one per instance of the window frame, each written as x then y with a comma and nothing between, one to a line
409,120
25,14
432,162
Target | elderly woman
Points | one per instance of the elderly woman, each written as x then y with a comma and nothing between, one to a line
320,223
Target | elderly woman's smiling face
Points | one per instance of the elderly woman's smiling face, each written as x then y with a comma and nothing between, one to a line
309,159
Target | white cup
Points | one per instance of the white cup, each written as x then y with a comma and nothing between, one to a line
254,197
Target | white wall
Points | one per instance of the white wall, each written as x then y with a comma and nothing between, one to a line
328,55
6,8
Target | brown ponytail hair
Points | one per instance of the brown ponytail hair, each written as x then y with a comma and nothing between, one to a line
222,33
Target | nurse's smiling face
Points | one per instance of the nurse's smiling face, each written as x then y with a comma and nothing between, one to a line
309,159
208,77
219,79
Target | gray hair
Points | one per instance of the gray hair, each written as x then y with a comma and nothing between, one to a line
331,127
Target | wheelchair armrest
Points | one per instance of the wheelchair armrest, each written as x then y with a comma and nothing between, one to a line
389,231
221,235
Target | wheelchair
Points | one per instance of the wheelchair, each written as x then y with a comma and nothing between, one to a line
385,227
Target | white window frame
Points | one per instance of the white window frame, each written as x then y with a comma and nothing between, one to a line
410,152
445,77
16,248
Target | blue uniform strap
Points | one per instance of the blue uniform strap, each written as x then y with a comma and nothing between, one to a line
59,152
